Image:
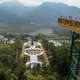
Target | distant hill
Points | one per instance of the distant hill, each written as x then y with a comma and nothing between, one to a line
12,13
47,13
7,17
16,7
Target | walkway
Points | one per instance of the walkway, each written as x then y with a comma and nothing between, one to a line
45,56
33,52
22,54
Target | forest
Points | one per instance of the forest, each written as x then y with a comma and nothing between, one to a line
12,67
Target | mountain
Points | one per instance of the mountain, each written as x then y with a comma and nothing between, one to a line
16,7
14,12
49,12
9,18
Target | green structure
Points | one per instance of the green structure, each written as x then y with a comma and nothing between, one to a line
74,58
74,65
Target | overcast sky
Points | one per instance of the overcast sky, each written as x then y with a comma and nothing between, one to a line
38,2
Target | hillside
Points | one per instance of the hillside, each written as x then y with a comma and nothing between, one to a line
10,18
16,7
45,15
12,13
49,12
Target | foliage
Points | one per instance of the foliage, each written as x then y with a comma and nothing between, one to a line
11,67
58,57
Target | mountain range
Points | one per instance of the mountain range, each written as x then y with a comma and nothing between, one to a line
47,13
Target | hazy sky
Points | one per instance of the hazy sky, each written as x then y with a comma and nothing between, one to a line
38,2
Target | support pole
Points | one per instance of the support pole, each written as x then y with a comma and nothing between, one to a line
74,64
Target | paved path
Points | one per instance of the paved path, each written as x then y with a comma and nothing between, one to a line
45,56
32,52
22,54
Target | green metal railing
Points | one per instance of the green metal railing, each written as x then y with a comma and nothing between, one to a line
74,59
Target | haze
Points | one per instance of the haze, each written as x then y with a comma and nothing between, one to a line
38,2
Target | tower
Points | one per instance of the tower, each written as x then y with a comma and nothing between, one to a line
74,65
